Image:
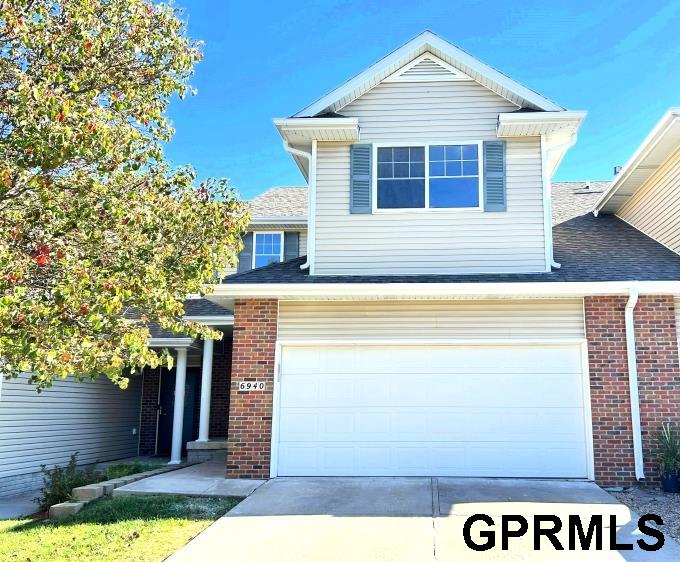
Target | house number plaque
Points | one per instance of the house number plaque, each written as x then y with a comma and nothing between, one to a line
250,386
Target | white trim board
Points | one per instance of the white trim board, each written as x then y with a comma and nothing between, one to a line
321,291
429,42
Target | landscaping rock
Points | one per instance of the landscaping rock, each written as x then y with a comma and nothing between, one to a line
108,487
66,509
90,492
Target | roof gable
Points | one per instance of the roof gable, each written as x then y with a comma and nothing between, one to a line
434,47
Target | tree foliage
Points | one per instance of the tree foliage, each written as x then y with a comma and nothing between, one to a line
99,236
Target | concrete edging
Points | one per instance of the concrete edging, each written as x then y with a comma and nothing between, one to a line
84,494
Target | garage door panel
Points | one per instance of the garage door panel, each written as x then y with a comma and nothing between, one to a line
522,459
422,410
401,359
426,425
359,389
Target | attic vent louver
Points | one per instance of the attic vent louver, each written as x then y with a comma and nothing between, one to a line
427,68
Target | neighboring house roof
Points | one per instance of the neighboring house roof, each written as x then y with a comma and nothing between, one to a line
194,309
454,56
663,141
589,248
571,199
278,202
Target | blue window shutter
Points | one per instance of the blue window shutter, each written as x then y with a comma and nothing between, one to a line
495,193
291,245
245,257
360,178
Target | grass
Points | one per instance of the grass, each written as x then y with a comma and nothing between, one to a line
130,528
127,469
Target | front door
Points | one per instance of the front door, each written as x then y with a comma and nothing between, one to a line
167,406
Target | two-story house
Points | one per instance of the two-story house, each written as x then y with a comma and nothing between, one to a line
438,323
432,304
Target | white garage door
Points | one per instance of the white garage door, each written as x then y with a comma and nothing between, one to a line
362,410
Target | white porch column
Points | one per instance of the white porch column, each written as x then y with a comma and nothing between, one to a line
206,388
178,416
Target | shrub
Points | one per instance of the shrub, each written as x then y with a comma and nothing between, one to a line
668,453
59,481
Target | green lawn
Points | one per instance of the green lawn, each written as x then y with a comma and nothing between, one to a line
129,528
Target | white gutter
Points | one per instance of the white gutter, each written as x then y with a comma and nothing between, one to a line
633,383
547,194
400,290
311,158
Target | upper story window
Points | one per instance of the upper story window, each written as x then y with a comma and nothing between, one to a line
431,176
268,248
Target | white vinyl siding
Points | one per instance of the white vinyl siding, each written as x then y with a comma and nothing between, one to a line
441,241
428,111
95,419
655,208
431,320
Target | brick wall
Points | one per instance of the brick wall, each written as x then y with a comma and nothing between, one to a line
658,380
147,425
658,371
250,413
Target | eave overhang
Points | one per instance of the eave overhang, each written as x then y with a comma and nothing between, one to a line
660,144
534,124
224,294
302,131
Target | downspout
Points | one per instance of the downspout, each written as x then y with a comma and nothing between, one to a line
547,194
310,194
633,383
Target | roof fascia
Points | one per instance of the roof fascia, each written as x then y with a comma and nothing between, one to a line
647,145
428,39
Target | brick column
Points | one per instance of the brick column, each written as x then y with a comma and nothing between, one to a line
658,381
250,412
658,372
609,393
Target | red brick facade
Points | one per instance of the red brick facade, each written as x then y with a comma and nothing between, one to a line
255,328
658,371
658,380
250,413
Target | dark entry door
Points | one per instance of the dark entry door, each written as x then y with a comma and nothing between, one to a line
167,406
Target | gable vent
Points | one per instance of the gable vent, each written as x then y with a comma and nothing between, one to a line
427,68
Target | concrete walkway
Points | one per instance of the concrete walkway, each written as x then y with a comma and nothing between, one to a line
20,505
204,479
408,519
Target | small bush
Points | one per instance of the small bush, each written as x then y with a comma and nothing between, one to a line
59,481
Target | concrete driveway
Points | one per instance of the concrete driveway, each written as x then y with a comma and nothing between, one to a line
408,519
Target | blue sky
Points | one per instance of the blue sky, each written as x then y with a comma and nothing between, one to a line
620,61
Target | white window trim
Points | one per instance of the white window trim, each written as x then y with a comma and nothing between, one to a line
256,232
426,145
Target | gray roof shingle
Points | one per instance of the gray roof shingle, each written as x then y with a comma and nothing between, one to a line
572,199
589,248
280,202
